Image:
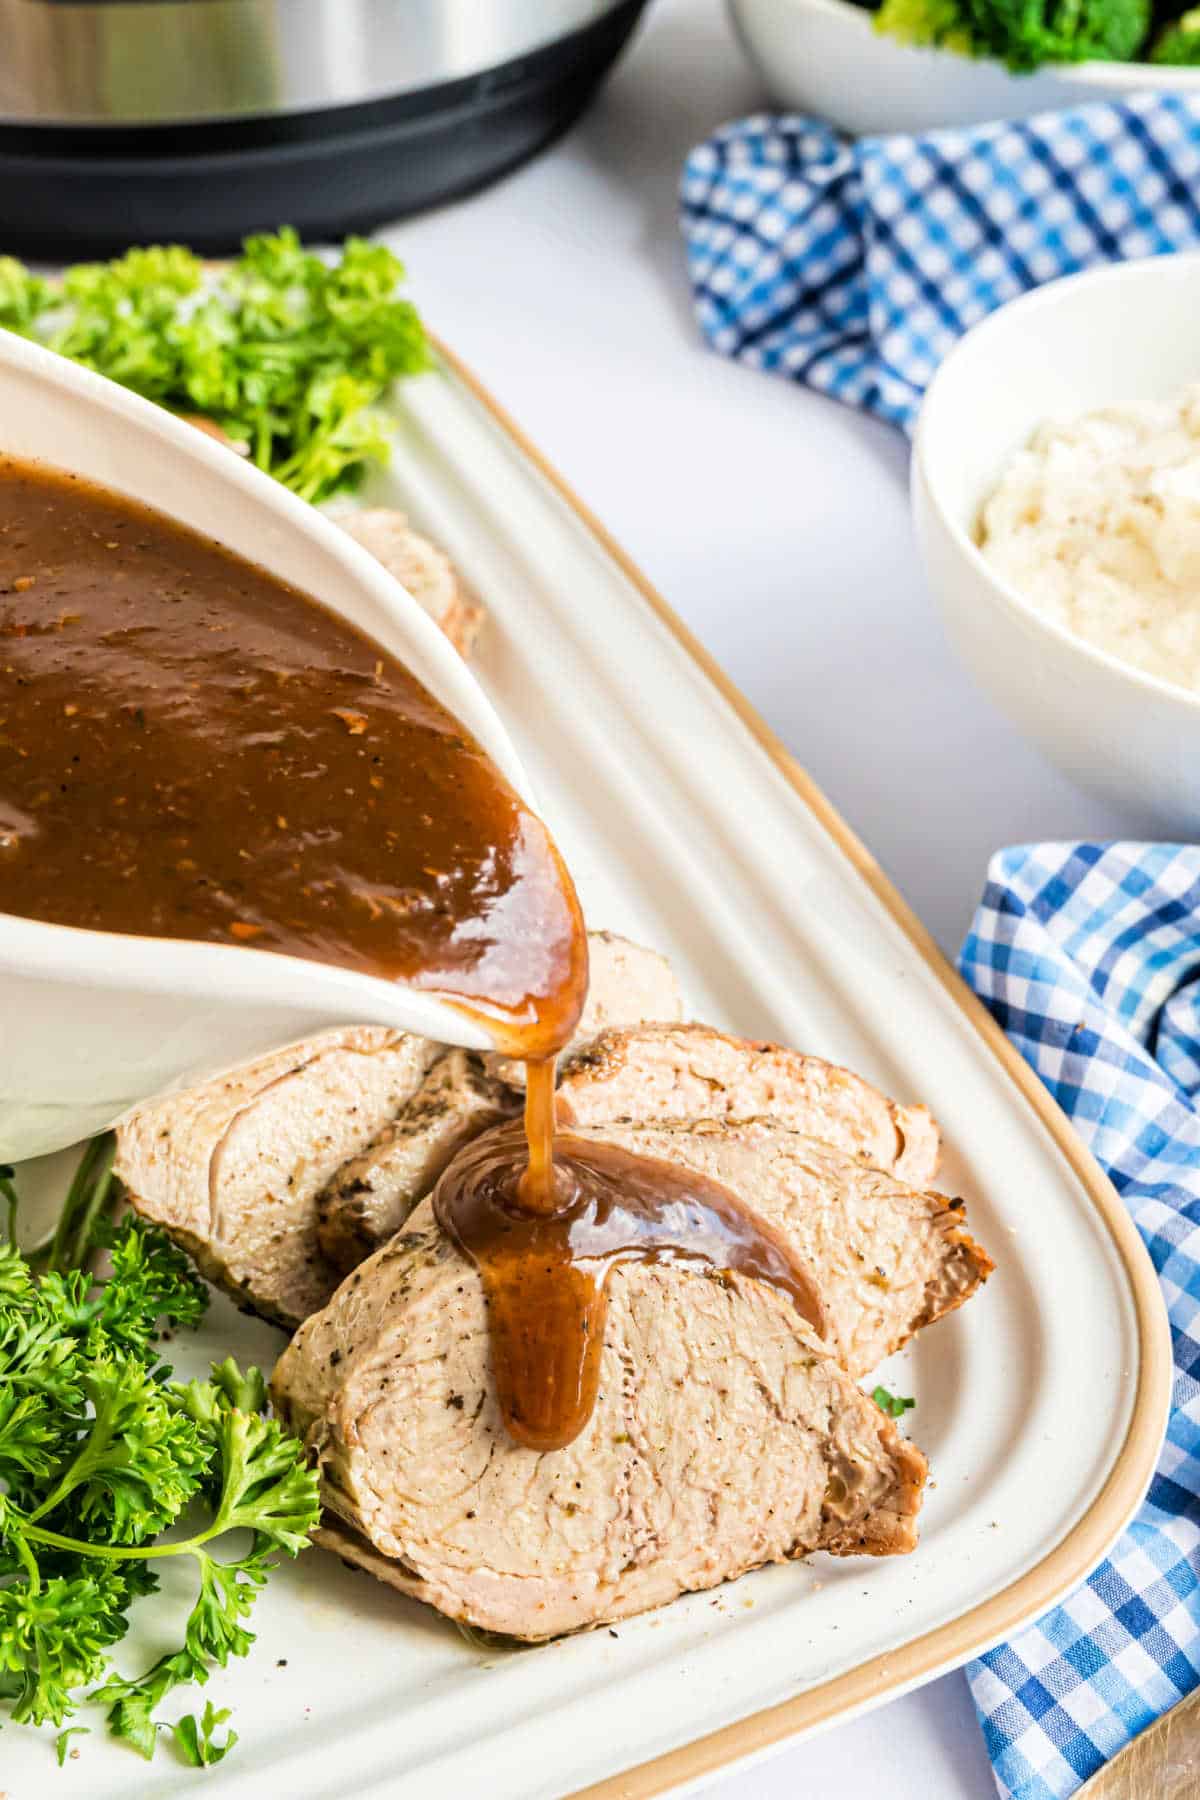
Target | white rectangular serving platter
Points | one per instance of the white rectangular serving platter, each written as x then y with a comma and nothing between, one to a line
1040,1405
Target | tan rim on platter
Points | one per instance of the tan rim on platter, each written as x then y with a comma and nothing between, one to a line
1088,1540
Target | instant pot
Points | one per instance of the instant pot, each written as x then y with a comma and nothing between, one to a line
139,121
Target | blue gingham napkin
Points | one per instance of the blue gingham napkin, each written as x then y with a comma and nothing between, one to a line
853,267
1089,957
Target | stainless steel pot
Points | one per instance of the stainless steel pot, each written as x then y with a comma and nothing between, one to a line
131,62
412,100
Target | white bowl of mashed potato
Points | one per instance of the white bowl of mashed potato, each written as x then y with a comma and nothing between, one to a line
1056,490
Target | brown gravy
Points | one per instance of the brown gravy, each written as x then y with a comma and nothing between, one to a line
545,1275
190,748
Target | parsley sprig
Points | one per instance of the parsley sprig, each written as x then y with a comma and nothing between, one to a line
287,352
100,1454
894,1405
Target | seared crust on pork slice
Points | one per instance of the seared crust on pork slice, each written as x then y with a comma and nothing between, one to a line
627,985
725,1436
422,568
369,1199
886,1258
662,1072
232,1169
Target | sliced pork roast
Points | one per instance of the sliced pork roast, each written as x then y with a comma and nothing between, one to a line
369,1198
427,572
463,1095
886,1258
282,1176
235,1169
664,1072
725,1435
232,1169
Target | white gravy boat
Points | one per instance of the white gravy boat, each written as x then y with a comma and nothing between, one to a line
90,1022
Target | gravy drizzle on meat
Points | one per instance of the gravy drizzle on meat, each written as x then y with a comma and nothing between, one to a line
192,749
545,1273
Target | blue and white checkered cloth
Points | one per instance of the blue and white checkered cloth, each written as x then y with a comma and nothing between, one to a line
1089,957
853,267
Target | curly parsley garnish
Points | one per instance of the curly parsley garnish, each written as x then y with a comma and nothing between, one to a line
101,1452
286,352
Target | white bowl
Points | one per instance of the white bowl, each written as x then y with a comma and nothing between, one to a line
825,57
90,1022
1118,336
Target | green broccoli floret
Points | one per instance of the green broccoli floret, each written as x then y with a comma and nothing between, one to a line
1179,44
1029,32
1022,33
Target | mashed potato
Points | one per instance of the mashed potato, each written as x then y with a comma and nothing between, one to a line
1097,525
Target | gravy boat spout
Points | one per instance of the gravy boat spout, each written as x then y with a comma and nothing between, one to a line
92,1023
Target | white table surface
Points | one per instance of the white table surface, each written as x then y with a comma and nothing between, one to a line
776,523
